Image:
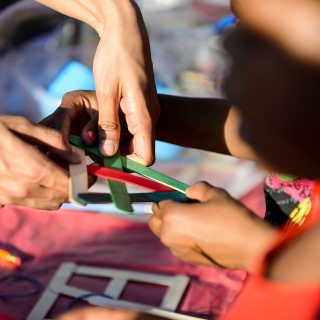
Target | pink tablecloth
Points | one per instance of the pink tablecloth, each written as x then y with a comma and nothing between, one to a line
45,240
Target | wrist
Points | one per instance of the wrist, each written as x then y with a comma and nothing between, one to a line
114,14
262,237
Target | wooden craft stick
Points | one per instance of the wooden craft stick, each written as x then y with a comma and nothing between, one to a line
78,178
135,167
104,198
125,177
118,190
154,175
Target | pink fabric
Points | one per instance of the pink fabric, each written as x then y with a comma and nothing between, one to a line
297,189
45,240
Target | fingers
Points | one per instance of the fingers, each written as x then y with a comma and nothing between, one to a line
108,126
140,126
42,171
108,95
143,148
160,210
54,178
23,162
154,224
88,133
19,189
43,135
36,197
190,256
203,191
82,105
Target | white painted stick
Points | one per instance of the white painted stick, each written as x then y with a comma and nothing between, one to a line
78,180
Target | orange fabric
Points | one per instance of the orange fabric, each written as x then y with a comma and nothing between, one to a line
265,300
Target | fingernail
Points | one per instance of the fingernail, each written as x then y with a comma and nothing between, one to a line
91,136
108,147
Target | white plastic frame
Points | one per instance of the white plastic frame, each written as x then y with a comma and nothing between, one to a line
119,279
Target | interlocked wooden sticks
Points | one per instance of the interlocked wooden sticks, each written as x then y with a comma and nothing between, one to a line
115,174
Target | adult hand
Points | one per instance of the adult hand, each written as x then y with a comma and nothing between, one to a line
124,77
123,73
27,177
218,230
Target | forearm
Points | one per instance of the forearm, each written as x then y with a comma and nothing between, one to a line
99,14
298,260
202,123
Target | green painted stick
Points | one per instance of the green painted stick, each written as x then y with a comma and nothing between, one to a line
154,175
136,167
118,190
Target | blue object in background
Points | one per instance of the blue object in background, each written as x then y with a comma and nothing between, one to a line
167,151
162,89
225,23
73,76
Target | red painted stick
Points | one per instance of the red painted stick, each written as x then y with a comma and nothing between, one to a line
124,177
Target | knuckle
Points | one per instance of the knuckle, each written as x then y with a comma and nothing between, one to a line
166,217
54,206
69,95
60,138
20,192
108,126
203,185
50,195
166,238
6,199
147,160
32,174
57,206
22,120
176,254
23,124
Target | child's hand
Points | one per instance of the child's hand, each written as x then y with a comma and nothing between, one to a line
218,230
77,114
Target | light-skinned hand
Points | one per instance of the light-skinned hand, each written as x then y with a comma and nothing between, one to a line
123,73
27,176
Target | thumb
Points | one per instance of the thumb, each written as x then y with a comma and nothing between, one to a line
108,126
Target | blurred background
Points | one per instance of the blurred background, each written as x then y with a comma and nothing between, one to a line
44,54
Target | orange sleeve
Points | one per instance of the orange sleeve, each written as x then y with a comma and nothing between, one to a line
265,300
262,299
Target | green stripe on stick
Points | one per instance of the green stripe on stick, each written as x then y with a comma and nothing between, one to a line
135,167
